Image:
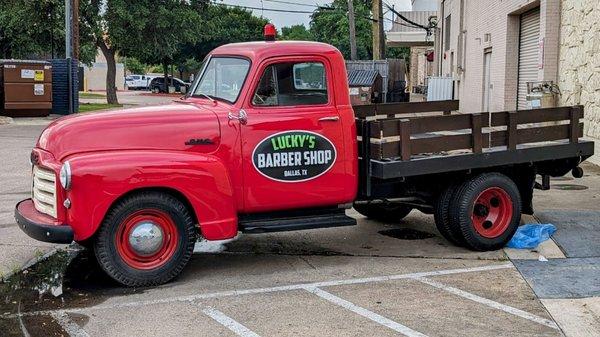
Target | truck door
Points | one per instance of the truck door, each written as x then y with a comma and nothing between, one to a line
292,141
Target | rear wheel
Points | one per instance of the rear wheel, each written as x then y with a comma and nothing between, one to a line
383,211
146,239
442,215
486,211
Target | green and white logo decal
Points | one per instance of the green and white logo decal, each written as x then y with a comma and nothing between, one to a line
294,156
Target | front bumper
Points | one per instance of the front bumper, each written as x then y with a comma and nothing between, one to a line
41,226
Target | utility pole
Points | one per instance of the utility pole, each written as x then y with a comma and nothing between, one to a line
75,28
352,30
68,30
377,29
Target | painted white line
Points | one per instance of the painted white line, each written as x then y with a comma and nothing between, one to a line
365,313
191,298
68,325
229,323
490,303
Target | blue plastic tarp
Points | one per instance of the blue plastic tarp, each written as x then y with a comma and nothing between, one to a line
531,235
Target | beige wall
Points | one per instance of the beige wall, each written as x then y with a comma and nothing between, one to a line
493,26
94,77
579,76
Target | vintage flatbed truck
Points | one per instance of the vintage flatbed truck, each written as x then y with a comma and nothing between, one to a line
267,140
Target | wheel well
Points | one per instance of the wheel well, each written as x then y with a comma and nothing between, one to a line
172,192
167,190
522,175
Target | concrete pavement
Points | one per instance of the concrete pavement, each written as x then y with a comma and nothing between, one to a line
16,248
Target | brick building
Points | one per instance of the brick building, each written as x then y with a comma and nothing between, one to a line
493,48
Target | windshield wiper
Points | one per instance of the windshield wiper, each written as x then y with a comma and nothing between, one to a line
205,95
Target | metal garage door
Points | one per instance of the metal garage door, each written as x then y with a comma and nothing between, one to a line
528,54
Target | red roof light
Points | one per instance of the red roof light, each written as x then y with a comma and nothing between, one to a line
270,32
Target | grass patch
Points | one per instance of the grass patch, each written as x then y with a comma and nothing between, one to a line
89,107
90,95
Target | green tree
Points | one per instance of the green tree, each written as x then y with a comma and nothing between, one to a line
329,24
155,32
402,53
297,33
35,29
134,66
222,25
93,24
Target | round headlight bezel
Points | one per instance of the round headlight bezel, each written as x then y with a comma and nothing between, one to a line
65,176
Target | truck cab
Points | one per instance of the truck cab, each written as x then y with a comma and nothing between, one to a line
267,127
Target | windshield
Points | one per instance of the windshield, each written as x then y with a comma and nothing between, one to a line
223,78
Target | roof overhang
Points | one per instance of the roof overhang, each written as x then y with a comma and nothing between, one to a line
409,39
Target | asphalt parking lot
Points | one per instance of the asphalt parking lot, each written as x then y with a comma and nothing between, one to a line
374,279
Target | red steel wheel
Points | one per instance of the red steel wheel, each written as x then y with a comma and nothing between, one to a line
485,211
147,239
492,212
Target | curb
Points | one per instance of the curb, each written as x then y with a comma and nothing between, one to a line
37,259
5,120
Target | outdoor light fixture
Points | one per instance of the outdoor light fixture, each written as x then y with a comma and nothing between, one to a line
65,175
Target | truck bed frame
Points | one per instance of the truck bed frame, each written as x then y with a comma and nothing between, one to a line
403,141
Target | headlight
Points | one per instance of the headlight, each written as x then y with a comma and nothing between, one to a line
65,175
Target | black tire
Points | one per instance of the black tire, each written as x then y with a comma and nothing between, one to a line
386,212
466,204
442,215
181,223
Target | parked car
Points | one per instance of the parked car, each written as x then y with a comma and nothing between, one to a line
157,84
255,149
137,82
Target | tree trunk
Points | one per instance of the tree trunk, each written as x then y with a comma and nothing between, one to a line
166,73
111,72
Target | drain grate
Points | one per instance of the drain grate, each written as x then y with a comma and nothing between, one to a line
406,234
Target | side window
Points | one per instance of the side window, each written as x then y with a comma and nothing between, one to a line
291,84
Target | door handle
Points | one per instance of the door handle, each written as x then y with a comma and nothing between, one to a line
329,119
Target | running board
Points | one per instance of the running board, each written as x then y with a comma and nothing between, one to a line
310,219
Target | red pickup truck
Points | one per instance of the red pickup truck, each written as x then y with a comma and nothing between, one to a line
266,140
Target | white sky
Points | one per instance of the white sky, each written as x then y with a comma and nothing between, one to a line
281,19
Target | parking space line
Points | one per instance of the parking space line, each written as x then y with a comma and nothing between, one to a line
489,303
365,313
70,327
300,286
229,323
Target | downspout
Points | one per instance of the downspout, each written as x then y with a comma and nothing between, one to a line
441,38
461,40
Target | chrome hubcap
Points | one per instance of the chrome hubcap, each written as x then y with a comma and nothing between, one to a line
146,238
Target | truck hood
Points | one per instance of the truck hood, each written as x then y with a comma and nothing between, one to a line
166,127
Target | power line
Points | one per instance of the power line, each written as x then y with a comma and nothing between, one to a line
267,9
292,3
416,25
293,11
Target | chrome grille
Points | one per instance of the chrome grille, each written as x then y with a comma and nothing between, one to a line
44,191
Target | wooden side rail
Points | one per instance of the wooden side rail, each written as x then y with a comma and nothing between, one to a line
391,109
401,138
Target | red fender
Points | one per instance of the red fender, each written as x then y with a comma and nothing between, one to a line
99,179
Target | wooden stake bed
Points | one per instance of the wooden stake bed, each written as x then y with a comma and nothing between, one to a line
408,139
